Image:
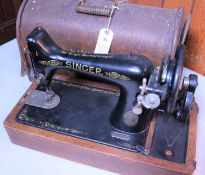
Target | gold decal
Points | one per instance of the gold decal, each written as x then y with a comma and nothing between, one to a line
123,77
24,117
85,68
50,63
116,76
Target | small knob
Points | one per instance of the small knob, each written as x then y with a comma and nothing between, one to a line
168,153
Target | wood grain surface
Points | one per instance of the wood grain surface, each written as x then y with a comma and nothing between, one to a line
195,58
157,3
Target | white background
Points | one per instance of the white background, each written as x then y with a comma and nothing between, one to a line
22,161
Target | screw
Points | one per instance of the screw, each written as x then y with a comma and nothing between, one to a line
168,153
152,101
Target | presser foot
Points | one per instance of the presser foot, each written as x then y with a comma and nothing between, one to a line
41,99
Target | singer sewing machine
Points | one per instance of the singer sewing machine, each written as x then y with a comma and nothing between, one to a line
112,107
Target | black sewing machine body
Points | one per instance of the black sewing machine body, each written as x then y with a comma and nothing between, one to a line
119,118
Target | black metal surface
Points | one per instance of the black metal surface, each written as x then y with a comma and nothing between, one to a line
85,112
184,103
174,77
170,134
46,57
124,71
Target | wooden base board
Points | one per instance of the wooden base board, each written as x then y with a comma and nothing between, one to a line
98,155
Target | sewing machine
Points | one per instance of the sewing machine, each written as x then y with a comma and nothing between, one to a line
119,112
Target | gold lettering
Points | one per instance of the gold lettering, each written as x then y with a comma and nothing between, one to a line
91,69
69,64
98,71
78,66
73,65
85,68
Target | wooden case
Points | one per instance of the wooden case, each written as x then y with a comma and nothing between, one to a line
99,155
79,150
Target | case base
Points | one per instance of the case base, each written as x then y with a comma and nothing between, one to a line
104,156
